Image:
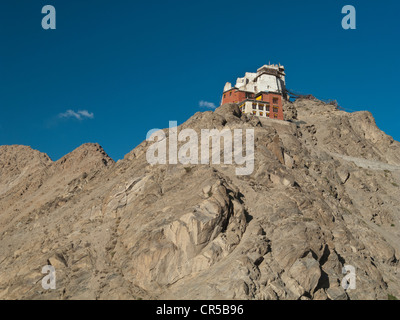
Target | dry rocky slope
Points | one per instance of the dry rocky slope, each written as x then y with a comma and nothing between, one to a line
324,193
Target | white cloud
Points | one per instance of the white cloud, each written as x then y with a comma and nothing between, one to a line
206,104
79,115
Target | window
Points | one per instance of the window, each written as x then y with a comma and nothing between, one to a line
254,112
230,93
261,107
275,116
225,95
261,113
254,106
275,109
275,100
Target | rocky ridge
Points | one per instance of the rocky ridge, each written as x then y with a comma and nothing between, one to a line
323,194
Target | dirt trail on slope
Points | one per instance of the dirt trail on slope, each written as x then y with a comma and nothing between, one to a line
367,164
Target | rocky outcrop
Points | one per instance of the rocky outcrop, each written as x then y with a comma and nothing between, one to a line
323,194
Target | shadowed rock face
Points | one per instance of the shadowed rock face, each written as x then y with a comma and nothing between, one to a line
323,194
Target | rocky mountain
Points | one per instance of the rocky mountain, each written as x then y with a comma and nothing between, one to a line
324,193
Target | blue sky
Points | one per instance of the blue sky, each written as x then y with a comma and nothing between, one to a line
113,70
